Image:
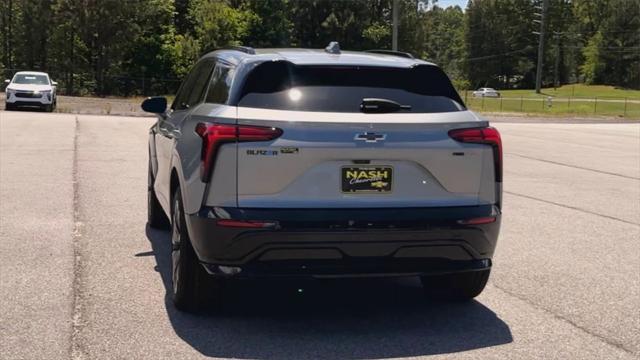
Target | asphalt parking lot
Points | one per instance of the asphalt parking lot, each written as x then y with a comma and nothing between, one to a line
82,277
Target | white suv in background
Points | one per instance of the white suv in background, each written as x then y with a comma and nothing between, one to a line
29,88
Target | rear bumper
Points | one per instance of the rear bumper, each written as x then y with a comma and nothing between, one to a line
343,242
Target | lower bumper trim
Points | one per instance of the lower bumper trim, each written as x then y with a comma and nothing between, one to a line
348,236
348,269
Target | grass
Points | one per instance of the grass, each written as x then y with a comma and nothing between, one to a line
558,106
576,90
578,99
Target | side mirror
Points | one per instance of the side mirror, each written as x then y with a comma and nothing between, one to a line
155,105
7,81
54,83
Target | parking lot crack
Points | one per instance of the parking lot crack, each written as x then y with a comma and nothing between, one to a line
566,320
77,321
573,166
572,208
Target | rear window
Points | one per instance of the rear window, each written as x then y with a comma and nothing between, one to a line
284,86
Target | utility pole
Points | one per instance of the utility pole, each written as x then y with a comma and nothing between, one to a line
556,81
543,18
559,36
9,63
394,35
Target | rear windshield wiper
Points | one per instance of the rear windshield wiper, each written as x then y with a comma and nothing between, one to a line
375,105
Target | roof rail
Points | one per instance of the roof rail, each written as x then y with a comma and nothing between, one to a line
333,48
245,49
393,53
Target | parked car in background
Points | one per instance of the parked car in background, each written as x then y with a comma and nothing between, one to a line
323,163
30,88
486,92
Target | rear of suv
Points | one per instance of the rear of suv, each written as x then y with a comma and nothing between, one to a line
297,162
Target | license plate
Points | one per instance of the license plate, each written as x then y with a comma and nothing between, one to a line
366,179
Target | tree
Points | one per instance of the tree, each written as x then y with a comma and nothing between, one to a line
146,55
67,55
620,44
217,24
270,26
31,50
500,43
9,12
592,67
102,47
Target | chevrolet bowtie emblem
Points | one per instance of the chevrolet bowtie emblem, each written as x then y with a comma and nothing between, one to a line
370,137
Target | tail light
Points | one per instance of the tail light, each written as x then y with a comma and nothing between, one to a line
487,135
214,135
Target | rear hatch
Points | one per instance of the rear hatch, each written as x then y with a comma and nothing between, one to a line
336,151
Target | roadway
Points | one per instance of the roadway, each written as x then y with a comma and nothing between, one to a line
81,276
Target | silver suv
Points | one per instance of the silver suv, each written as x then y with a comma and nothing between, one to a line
323,163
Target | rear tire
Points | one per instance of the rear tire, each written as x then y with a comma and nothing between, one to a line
156,218
457,287
191,285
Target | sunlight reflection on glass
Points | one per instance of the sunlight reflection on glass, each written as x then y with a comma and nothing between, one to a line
295,94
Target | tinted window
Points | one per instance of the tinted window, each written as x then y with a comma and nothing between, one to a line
220,84
284,86
180,102
200,83
192,89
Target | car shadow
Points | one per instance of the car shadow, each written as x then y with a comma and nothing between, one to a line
346,318
27,109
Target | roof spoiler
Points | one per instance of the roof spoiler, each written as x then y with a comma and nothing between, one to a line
245,49
391,52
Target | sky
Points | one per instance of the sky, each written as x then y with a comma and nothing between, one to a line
445,3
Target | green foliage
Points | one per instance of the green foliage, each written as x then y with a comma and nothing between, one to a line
145,46
620,47
500,44
461,84
592,67
270,26
182,53
217,24
378,34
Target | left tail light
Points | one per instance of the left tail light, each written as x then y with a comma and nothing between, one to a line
214,135
487,135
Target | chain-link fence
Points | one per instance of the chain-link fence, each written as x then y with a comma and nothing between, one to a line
129,86
115,85
603,106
